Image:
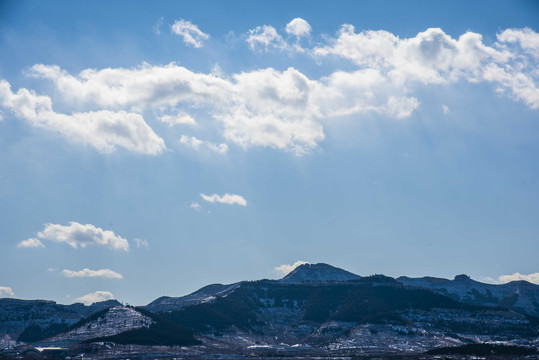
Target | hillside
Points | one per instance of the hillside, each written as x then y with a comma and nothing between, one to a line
333,314
520,296
30,320
125,325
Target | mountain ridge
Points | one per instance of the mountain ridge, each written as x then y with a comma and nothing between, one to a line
316,308
518,295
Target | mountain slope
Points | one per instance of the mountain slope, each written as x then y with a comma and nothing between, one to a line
303,273
108,322
207,293
521,296
322,313
29,320
126,325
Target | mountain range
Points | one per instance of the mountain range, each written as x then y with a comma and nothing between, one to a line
316,309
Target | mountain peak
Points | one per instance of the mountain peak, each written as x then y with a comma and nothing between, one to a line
318,273
462,277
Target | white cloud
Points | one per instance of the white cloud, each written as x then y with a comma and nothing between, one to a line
198,144
267,107
521,85
30,243
103,273
6,291
94,297
445,109
285,269
275,109
298,27
527,39
190,33
430,57
195,206
264,38
181,118
361,91
532,278
272,108
105,130
433,57
138,88
76,235
141,243
259,108
227,198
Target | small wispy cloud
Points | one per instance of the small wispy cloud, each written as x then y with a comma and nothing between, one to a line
198,144
141,243
285,269
230,199
102,273
94,297
158,24
190,33
181,118
195,206
31,243
6,291
445,109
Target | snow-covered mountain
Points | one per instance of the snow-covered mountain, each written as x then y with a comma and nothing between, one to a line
33,319
205,294
318,273
372,314
124,325
108,322
316,309
518,295
311,273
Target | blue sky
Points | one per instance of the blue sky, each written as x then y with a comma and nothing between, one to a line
149,150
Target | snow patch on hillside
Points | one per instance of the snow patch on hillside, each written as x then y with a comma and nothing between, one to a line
115,321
